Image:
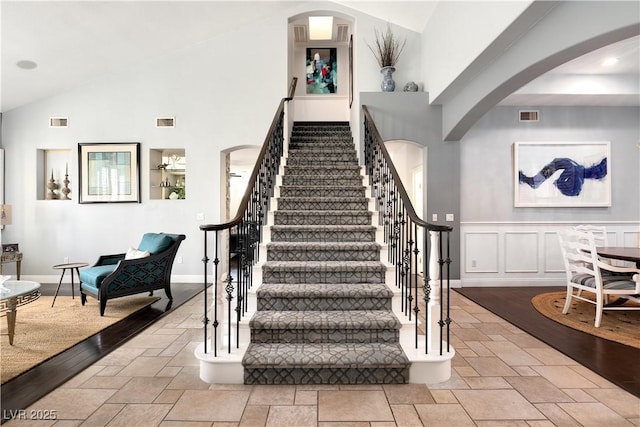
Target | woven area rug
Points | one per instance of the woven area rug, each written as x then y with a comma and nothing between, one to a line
43,331
622,326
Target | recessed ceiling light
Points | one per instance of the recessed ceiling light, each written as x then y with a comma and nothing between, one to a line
609,62
26,64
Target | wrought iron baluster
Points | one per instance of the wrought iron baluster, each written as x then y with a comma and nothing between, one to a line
205,319
401,232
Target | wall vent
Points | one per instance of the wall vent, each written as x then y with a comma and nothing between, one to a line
165,122
342,35
58,122
529,115
300,33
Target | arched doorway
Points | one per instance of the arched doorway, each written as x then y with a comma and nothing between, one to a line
239,163
410,160
323,66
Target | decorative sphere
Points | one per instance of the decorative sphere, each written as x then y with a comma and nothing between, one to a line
411,87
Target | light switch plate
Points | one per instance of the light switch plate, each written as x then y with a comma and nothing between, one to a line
449,217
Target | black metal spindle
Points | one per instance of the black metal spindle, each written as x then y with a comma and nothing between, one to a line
247,225
402,228
205,320
441,280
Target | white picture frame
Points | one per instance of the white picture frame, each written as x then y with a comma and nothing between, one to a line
562,174
109,172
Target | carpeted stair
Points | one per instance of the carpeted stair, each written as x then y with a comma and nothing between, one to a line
323,308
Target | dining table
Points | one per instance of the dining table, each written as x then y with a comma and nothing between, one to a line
623,253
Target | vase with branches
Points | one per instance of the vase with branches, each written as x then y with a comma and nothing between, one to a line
387,49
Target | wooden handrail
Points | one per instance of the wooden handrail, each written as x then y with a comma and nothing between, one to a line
244,203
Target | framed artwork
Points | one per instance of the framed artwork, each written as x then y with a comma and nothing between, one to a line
350,70
10,247
109,172
561,174
322,70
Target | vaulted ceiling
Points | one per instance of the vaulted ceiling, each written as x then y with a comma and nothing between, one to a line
73,43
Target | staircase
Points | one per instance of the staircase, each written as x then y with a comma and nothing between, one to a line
324,312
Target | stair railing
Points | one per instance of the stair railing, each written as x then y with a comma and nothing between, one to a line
244,233
408,236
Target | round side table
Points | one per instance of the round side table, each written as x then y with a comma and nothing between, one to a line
64,267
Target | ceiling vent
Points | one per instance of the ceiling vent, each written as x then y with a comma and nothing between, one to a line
165,122
342,34
529,115
58,122
300,33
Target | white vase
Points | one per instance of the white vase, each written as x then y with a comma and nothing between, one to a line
388,85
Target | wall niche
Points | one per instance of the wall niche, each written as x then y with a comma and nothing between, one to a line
54,174
167,174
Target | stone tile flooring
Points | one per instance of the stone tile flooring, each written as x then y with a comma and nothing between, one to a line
502,377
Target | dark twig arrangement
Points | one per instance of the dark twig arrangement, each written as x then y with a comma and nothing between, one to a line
387,48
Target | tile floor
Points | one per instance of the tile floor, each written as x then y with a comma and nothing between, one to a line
502,377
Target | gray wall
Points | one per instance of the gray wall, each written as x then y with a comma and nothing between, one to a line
473,178
486,162
408,115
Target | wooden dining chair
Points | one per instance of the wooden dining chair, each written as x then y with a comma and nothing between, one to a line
588,275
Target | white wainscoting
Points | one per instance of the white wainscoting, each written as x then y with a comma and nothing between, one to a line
524,253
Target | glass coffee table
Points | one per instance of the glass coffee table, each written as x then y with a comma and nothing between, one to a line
13,294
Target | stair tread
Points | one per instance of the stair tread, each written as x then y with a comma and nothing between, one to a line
323,212
324,265
325,198
330,355
345,319
322,227
324,290
307,187
323,245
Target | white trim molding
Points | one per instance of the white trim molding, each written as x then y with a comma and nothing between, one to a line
504,253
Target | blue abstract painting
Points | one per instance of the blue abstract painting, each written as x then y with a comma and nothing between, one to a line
561,174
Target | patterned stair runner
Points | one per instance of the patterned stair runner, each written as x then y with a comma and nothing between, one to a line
323,308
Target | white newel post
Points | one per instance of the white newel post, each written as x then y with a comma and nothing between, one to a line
433,308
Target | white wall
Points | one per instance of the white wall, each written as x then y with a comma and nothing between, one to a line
318,107
223,93
407,157
212,89
455,36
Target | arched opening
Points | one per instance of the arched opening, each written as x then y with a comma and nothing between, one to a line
239,163
324,67
410,160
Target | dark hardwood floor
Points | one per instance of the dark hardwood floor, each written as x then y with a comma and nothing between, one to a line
25,389
618,363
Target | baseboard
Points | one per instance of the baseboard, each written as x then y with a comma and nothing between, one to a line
496,282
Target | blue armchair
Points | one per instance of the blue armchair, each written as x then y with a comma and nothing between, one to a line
113,276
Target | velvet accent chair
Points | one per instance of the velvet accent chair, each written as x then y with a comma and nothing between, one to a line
589,275
144,269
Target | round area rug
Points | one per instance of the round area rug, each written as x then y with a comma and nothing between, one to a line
622,326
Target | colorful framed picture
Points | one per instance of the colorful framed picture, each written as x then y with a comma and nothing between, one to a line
561,174
109,172
322,70
10,247
350,70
